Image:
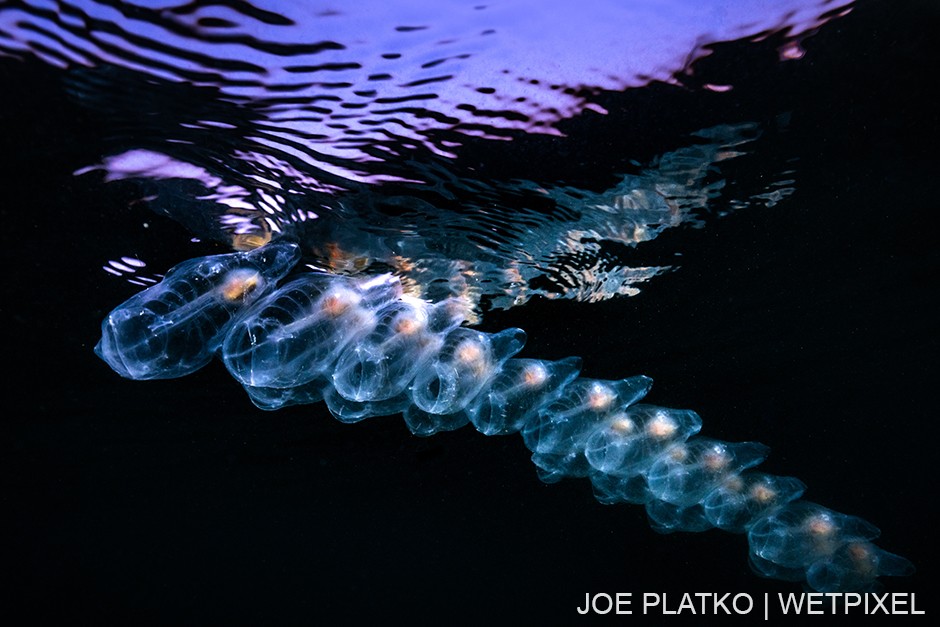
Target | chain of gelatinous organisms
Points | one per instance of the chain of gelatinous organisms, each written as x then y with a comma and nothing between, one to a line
366,349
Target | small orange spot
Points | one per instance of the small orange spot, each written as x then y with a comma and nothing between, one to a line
678,453
622,425
334,305
534,376
820,525
763,493
734,483
661,427
407,326
240,284
250,241
862,558
469,352
859,551
716,459
600,397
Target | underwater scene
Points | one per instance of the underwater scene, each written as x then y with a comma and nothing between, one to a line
468,311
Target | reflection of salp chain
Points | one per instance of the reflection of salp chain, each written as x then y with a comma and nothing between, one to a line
369,350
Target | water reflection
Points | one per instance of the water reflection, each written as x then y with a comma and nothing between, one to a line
476,149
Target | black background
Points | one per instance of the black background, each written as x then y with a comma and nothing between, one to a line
809,326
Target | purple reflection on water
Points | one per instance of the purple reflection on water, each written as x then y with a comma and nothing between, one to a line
345,77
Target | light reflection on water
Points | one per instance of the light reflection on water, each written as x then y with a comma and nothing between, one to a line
358,130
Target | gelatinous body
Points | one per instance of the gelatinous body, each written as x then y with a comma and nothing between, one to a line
174,328
370,351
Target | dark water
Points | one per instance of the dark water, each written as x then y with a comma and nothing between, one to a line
806,325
